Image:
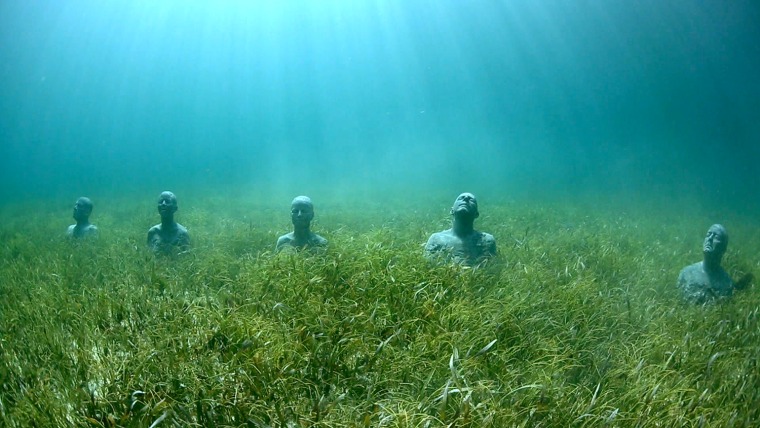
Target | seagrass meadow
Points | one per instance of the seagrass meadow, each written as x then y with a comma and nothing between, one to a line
577,322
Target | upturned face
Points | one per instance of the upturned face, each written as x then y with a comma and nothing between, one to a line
82,209
167,204
716,241
301,212
465,204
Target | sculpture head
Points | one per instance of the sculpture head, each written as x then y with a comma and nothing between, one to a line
465,205
167,204
716,242
82,209
301,212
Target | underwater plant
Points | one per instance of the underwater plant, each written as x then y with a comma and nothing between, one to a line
576,322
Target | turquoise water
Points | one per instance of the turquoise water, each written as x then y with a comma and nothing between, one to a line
495,97
602,138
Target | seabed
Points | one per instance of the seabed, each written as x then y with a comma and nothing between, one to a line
576,323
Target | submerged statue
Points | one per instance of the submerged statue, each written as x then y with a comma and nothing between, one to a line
83,228
168,235
301,214
461,244
706,281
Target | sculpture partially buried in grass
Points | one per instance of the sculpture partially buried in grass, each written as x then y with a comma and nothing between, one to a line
168,235
461,244
707,281
301,214
83,228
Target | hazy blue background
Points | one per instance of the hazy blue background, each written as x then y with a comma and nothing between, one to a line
535,97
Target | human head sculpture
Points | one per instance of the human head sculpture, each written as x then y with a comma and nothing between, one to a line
167,205
465,207
82,209
715,243
301,212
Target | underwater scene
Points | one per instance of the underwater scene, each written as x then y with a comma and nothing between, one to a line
380,213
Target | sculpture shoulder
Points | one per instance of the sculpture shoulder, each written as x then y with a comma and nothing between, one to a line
488,242
182,230
440,245
318,241
691,273
286,238
154,237
440,238
487,238
91,230
692,268
182,237
283,241
723,280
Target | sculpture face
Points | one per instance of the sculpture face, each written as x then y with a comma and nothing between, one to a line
301,211
716,241
82,209
167,204
465,204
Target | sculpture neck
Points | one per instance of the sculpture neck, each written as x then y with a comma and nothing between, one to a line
301,232
711,263
167,222
463,226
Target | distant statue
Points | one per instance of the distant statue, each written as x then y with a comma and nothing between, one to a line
301,214
168,235
706,281
461,244
82,228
